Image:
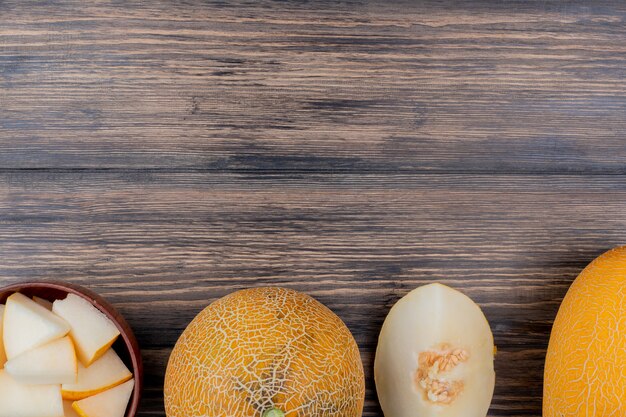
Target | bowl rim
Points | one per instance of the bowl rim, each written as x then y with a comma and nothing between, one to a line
126,332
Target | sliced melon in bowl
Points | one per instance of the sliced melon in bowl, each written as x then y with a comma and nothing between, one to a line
435,356
28,325
105,373
92,332
19,400
110,403
68,410
52,363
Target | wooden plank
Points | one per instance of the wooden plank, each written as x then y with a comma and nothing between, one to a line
368,86
164,245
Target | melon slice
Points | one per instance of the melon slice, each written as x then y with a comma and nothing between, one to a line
43,302
110,403
435,356
52,363
3,356
92,332
585,371
28,325
105,373
68,410
18,400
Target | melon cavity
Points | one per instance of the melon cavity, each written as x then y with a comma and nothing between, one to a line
435,356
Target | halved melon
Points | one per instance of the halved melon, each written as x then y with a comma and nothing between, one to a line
109,403
19,400
585,372
435,356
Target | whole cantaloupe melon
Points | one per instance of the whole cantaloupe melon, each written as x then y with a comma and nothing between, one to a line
585,372
265,352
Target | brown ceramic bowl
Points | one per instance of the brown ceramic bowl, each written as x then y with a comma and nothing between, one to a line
125,346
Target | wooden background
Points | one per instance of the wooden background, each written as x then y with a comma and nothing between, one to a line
167,153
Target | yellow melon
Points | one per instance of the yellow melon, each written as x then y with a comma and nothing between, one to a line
265,352
585,372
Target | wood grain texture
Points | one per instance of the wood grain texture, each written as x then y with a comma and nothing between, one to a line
166,153
356,85
162,245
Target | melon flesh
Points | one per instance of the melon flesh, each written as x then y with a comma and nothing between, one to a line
43,302
52,363
585,372
92,332
110,403
435,356
68,410
18,400
105,373
28,325
3,356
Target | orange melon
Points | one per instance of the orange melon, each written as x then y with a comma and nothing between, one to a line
585,372
265,352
